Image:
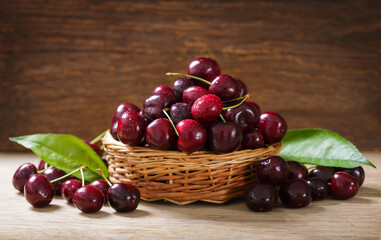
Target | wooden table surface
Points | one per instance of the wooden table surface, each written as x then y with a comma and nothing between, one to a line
356,218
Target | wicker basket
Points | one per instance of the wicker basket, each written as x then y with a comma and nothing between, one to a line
184,178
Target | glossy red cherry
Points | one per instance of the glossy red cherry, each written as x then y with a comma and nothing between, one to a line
225,87
319,187
102,185
297,170
38,191
160,134
162,89
22,174
123,197
53,173
274,170
180,111
261,197
207,108
206,68
69,187
88,199
252,139
245,115
343,186
42,165
242,87
118,112
295,193
192,135
272,127
224,137
323,172
191,94
256,107
181,84
131,128
357,172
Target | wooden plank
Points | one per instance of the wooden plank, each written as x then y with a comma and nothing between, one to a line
65,67
356,218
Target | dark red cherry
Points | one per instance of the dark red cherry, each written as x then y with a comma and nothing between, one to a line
207,108
88,199
252,139
358,173
154,105
272,127
69,187
224,137
343,186
162,89
53,173
131,128
319,187
114,130
295,193
160,135
206,68
225,87
323,172
274,170
242,87
102,185
245,115
192,135
123,197
181,84
22,174
260,197
191,94
42,165
256,107
180,111
297,170
38,191
117,113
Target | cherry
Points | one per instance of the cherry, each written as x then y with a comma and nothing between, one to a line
357,172
245,115
181,84
242,87
69,187
191,94
102,185
319,187
256,107
180,111
297,170
22,174
323,172
160,135
207,108
38,191
42,165
224,137
225,87
114,130
123,197
88,199
131,128
272,127
154,105
295,193
206,68
192,135
118,112
260,197
252,139
162,89
53,173
274,170
343,186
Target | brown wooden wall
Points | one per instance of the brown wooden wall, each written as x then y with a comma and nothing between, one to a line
65,65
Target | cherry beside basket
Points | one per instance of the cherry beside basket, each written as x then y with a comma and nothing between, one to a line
184,178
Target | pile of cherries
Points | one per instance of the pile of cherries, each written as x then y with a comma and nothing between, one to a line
41,184
296,187
203,110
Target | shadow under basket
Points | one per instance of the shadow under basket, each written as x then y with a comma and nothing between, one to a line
182,178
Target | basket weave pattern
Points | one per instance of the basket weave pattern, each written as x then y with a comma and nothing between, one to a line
184,178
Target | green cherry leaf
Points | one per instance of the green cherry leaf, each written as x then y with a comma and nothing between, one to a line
321,147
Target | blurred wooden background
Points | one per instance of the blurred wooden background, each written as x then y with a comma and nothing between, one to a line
66,65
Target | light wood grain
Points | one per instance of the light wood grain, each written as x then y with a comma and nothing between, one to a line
357,218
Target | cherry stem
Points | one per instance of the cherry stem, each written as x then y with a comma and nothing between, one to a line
236,99
103,176
222,118
179,75
99,137
43,170
170,120
82,177
234,106
67,175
